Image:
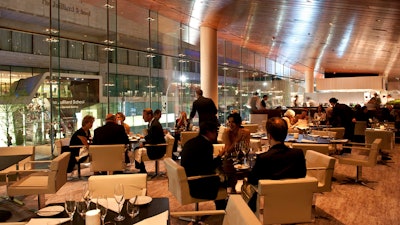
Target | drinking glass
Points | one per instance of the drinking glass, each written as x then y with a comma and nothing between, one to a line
119,197
70,206
86,195
82,208
102,206
132,209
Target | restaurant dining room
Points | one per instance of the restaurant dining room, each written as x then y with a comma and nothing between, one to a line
215,75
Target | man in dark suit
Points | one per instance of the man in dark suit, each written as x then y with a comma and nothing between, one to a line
155,135
110,133
205,107
342,116
279,162
197,159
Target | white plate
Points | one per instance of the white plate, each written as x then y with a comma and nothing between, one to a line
325,137
241,166
50,210
141,200
313,135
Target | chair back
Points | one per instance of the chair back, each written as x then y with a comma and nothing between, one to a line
339,131
103,185
373,153
321,167
58,172
187,135
220,137
322,148
177,182
325,133
287,201
237,212
60,143
218,148
107,157
360,127
388,138
252,127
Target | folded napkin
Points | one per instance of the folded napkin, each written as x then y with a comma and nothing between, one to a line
160,219
42,221
112,204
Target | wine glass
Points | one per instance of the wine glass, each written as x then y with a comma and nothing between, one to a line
70,206
86,195
119,197
82,208
132,209
102,206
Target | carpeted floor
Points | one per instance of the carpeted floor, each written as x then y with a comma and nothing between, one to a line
346,204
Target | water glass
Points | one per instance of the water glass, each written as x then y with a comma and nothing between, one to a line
132,209
82,208
119,198
102,206
70,206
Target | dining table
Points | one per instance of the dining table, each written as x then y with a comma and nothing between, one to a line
9,160
154,208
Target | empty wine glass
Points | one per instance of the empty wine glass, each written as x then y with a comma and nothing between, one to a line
86,195
132,209
82,208
70,206
102,206
119,197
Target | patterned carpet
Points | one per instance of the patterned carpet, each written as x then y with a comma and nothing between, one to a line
346,204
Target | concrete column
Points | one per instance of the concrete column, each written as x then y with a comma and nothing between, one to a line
309,81
209,63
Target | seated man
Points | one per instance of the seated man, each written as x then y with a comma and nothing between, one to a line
197,159
155,135
279,162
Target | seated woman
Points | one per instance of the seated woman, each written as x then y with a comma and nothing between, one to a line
80,137
320,115
301,120
235,138
236,135
120,117
289,118
181,124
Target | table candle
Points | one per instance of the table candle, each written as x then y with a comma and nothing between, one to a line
92,217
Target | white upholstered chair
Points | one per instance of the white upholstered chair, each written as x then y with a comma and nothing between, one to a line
286,201
187,135
322,148
321,167
168,154
103,185
107,158
339,131
47,181
253,127
178,185
218,148
237,212
359,157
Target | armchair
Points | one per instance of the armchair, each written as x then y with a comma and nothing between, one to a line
321,148
42,182
27,154
178,185
237,212
286,201
359,158
134,184
168,154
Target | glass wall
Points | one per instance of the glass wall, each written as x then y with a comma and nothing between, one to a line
95,58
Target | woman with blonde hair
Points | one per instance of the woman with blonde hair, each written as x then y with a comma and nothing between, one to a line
120,117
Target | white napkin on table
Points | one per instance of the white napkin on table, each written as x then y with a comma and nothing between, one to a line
112,204
42,221
160,219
